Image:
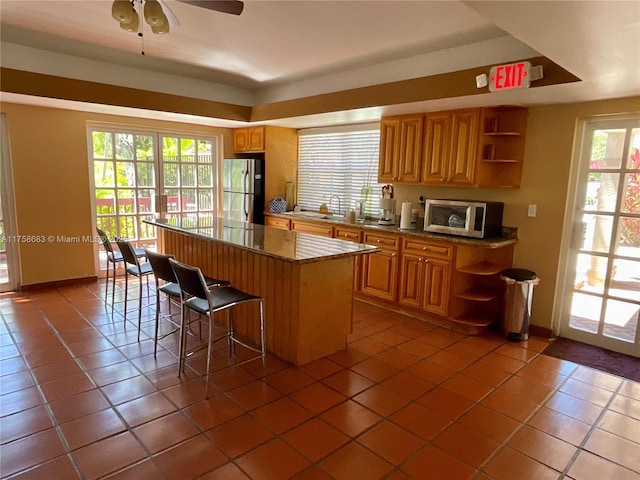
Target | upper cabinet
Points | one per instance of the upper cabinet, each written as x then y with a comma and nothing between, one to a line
471,147
248,139
450,147
400,149
501,149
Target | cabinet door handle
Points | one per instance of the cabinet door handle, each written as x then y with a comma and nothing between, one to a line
420,259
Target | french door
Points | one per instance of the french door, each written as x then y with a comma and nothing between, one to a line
9,271
602,281
137,175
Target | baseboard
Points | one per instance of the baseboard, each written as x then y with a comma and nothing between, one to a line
58,283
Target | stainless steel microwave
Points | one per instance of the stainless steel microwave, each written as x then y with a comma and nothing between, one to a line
464,218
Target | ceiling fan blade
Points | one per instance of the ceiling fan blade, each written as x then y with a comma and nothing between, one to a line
171,17
233,7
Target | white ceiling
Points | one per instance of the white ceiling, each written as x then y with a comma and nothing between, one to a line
279,50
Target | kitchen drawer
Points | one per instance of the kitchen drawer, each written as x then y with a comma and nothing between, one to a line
431,250
351,234
322,230
282,223
386,242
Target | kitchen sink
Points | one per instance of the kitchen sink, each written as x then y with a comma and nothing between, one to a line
309,214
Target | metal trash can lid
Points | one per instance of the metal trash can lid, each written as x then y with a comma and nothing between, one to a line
518,274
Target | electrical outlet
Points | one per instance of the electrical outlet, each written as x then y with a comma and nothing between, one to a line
533,210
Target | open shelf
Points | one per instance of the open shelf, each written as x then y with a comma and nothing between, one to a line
482,268
500,160
477,294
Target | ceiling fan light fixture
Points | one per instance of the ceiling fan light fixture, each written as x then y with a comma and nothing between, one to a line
160,29
153,14
133,24
122,11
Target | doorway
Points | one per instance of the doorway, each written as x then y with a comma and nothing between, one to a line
602,281
9,240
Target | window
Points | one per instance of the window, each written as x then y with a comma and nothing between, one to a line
340,161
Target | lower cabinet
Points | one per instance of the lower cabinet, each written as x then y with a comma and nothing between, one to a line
425,276
315,228
380,270
277,222
352,235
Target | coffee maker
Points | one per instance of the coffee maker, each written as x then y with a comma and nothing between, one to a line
387,211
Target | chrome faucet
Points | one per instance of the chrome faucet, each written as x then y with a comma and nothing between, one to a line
331,198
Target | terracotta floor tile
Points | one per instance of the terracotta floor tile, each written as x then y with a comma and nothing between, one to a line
597,378
467,387
509,464
422,421
626,406
369,346
282,415
347,357
486,374
391,442
254,395
490,423
466,351
526,388
621,425
510,405
542,376
12,365
289,380
587,392
30,451
579,409
431,372
347,382
381,400
37,344
466,444
438,338
588,466
146,470
390,338
614,448
148,363
16,381
189,392
312,473
91,428
502,362
154,434
50,355
435,464
315,439
230,378
351,418
321,368
449,404
78,405
560,426
67,387
398,358
89,346
191,459
240,435
20,400
563,367
355,462
129,389
229,471
273,461
418,348
317,398
213,412
56,370
375,369
60,467
517,351
630,389
23,423
144,409
542,447
407,385
113,373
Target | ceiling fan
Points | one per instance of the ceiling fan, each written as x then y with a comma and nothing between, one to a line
159,16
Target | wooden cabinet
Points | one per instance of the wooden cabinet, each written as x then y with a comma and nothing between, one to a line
401,149
351,234
450,147
501,150
277,222
315,228
249,139
477,287
425,276
380,270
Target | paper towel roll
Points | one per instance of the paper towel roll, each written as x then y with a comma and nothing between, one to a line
405,216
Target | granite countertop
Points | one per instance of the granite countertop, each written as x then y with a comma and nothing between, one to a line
372,225
272,242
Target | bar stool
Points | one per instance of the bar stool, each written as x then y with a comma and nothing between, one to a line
113,258
163,272
196,296
138,270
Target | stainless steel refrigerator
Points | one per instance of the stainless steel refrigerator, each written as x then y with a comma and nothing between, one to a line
243,189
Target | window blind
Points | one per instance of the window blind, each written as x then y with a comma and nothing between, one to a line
342,162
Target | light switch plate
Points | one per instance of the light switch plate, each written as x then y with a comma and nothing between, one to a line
533,210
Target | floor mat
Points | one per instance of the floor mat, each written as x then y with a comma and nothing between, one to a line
619,364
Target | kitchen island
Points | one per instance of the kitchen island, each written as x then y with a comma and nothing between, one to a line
306,281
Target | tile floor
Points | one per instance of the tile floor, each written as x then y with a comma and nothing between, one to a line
82,398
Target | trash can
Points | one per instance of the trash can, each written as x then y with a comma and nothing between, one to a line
517,302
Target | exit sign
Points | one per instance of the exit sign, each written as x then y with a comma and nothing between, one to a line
513,75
